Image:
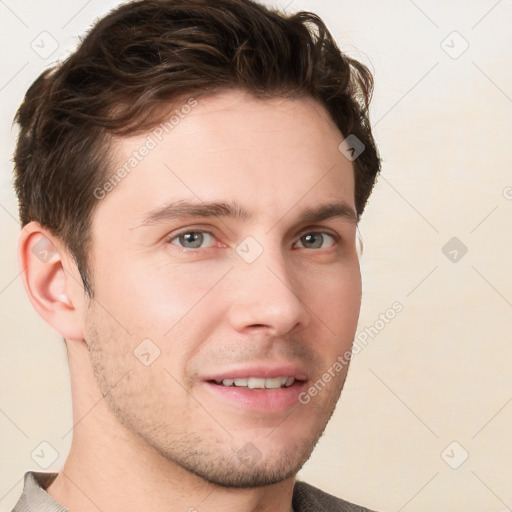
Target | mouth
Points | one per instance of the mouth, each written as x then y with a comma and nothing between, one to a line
261,389
257,382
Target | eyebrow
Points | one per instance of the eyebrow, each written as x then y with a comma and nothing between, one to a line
179,210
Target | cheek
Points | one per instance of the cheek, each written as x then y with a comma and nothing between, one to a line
164,310
335,296
153,296
335,306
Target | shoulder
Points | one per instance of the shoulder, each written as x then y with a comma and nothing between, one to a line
307,498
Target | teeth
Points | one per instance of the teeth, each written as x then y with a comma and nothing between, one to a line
260,383
255,383
273,383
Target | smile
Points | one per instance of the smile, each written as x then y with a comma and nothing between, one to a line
258,383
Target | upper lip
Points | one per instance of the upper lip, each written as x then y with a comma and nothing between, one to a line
262,371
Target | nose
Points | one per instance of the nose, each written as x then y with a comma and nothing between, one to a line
265,295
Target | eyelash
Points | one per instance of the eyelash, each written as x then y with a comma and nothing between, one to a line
169,239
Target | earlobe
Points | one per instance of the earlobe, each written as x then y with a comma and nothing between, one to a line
48,280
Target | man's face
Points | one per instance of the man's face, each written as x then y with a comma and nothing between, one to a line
260,297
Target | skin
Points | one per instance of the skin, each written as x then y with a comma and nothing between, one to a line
154,437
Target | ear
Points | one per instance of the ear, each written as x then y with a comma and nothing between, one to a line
52,281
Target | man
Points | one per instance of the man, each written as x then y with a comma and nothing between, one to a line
190,182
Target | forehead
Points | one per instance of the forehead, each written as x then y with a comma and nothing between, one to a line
266,154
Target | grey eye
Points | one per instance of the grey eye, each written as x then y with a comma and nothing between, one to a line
192,239
314,240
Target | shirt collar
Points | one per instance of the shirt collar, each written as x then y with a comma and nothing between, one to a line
35,497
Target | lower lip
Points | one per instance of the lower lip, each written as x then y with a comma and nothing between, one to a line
263,400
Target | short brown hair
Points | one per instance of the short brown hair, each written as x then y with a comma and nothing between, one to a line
150,52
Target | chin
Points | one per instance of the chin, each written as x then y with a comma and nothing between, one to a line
247,473
247,465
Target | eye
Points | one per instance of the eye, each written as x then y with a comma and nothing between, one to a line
192,239
315,239
201,239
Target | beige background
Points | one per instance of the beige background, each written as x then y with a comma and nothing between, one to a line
440,371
